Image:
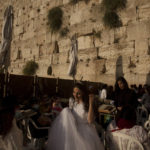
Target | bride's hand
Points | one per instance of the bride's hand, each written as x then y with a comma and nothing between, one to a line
91,98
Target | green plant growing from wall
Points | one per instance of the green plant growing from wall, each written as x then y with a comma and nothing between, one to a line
113,5
64,32
30,68
55,18
112,20
110,7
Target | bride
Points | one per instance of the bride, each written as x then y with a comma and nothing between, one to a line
73,129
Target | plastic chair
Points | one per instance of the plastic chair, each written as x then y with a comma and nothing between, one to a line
121,141
142,115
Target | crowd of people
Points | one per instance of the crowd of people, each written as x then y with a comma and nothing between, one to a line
73,125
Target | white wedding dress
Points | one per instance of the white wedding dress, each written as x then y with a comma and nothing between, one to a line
71,131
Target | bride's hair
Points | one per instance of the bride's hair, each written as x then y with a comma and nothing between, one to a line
85,98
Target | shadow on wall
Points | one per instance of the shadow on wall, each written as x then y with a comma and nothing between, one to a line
148,78
119,67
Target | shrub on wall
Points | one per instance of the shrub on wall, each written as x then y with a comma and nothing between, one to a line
55,18
113,5
30,68
112,20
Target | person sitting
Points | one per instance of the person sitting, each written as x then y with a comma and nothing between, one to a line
125,119
56,106
126,123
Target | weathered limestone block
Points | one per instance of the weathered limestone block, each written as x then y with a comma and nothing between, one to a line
28,35
50,48
87,55
93,68
48,36
128,15
76,18
60,70
34,51
82,29
140,3
144,12
104,52
79,15
26,53
14,55
63,57
41,38
107,36
20,12
141,47
18,30
85,42
135,78
30,26
110,66
64,45
55,59
120,34
138,31
97,42
66,2
36,3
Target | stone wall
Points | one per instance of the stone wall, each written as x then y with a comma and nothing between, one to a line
120,51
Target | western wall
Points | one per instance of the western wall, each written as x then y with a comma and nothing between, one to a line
124,50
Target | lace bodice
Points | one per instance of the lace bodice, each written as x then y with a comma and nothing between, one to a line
78,110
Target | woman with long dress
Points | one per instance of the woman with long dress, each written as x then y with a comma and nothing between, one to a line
73,128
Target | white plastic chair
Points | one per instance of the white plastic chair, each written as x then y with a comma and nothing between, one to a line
121,141
142,115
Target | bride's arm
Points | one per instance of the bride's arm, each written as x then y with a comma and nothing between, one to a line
90,117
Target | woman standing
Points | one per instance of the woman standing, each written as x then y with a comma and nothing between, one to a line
123,95
73,129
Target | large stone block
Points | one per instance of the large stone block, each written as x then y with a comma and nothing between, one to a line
79,15
66,2
107,36
143,12
87,55
141,47
18,30
85,42
60,70
64,45
63,58
138,31
26,53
